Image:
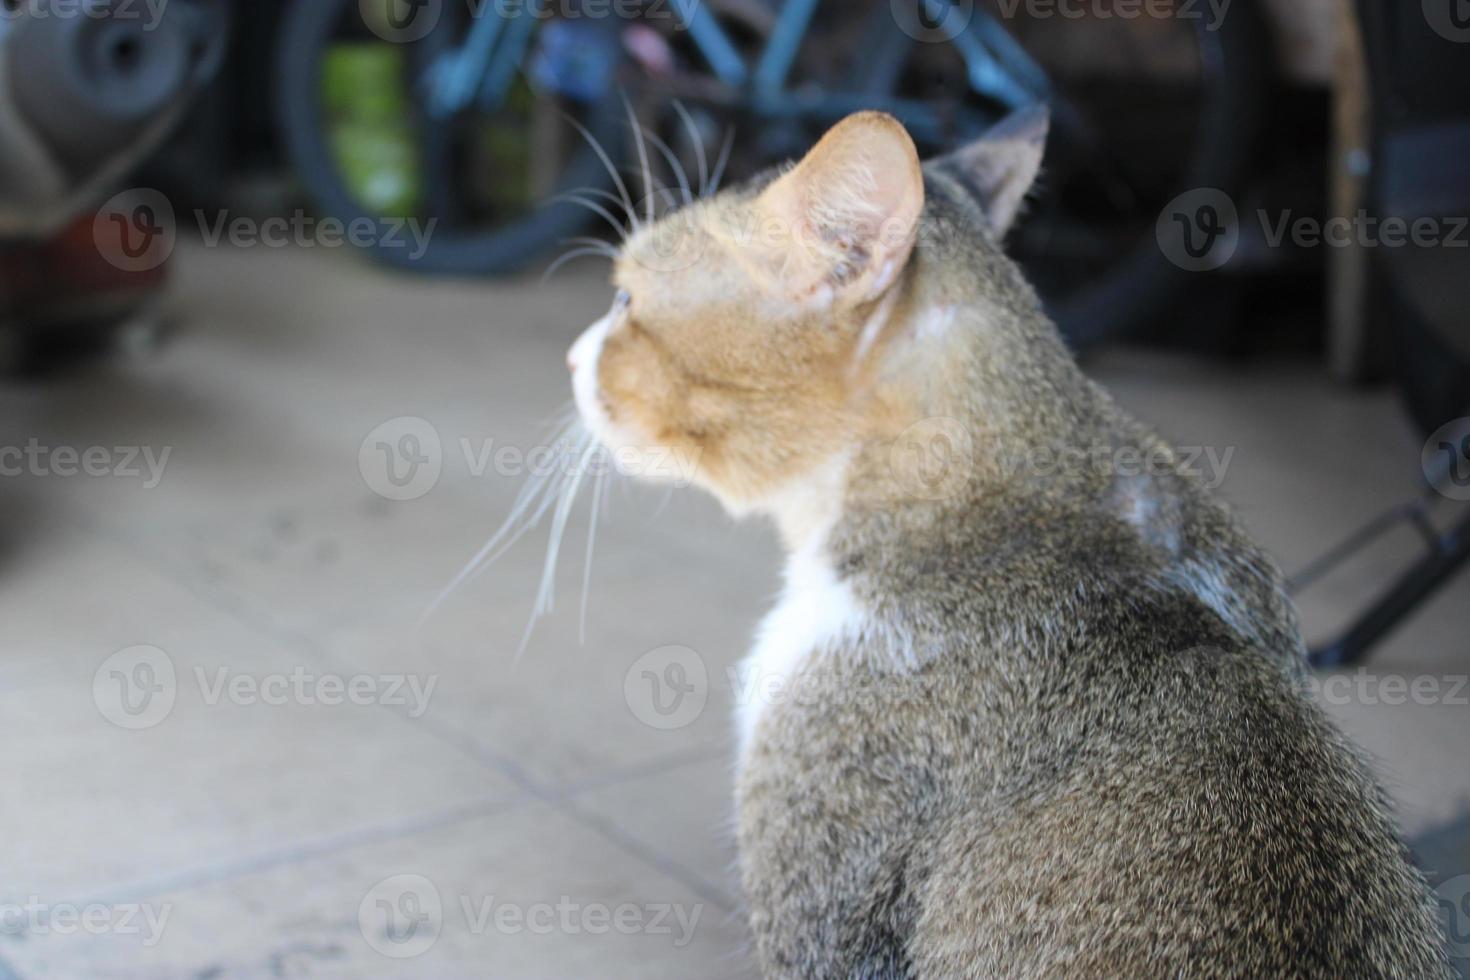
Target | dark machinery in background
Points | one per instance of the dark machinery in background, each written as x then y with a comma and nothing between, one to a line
1419,73
87,91
85,98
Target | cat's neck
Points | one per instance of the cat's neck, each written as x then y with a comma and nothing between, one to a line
808,508
997,399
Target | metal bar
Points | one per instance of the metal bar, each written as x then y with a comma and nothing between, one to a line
510,57
1412,589
458,75
712,42
781,49
1358,541
998,67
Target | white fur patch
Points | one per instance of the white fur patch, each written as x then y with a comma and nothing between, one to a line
1208,581
816,611
934,323
873,329
585,354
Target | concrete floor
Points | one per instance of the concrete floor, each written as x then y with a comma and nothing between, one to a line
183,801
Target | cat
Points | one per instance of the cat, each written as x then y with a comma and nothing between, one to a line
1051,716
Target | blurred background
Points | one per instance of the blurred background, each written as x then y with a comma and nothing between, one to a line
285,292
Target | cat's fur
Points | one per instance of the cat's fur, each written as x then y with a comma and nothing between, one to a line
1042,717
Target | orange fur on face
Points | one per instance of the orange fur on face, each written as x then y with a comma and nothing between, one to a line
747,313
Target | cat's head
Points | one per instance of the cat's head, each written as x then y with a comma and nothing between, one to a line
751,330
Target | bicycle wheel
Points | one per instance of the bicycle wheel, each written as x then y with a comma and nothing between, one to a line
1144,109
459,185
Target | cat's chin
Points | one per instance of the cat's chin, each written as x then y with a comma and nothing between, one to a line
630,455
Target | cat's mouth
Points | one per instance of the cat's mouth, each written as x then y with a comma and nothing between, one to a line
583,360
628,453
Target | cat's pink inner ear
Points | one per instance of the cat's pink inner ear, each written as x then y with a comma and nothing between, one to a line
850,211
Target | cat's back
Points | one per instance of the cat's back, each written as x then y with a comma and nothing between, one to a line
1211,823
1086,769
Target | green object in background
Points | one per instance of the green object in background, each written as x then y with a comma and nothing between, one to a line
504,157
369,121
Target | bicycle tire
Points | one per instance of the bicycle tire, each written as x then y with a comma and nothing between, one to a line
1142,282
305,32
1145,283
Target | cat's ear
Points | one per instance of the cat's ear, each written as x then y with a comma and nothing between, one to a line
1001,167
851,208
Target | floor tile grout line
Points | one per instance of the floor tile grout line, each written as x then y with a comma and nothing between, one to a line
564,803
695,882
448,734
337,843
333,844
653,767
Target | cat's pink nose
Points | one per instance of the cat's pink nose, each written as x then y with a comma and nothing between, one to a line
571,362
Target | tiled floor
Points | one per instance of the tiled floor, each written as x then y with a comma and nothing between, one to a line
497,816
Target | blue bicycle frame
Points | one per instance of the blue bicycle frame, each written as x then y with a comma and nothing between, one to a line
482,70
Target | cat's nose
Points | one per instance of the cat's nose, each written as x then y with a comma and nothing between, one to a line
587,348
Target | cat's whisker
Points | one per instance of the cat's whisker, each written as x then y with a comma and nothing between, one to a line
642,144
572,197
508,534
572,256
625,199
599,481
596,192
724,160
545,597
698,140
596,243
559,424
674,165
663,505
515,526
